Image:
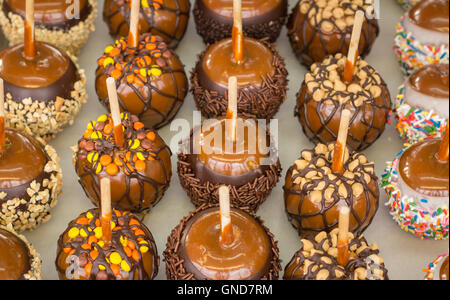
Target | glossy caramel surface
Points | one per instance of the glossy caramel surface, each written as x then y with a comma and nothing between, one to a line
431,14
22,161
431,80
443,272
219,63
14,256
45,68
422,171
250,8
240,157
47,11
244,257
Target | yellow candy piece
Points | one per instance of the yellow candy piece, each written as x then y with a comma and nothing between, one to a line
89,215
136,144
108,61
98,232
83,233
90,125
144,3
143,72
113,224
101,267
115,258
140,156
123,116
108,49
101,243
89,229
92,157
96,135
73,232
125,266
102,118
143,243
144,249
99,168
156,72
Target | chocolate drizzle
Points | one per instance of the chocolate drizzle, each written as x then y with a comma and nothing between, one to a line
316,260
254,101
311,43
313,194
213,27
154,98
74,254
166,18
369,104
133,189
175,263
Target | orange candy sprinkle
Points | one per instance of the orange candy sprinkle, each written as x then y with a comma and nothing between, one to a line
86,246
93,254
131,245
83,221
112,169
128,251
140,165
135,255
115,269
88,269
116,74
92,239
151,136
117,161
138,125
133,222
105,160
67,250
107,129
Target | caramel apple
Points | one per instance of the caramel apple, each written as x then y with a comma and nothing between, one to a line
325,93
140,171
64,24
165,18
317,260
422,36
261,19
417,185
30,181
319,28
261,79
18,258
43,93
422,105
82,253
150,79
195,251
251,171
313,192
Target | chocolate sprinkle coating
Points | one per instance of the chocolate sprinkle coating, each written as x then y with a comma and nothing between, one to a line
319,108
175,269
319,257
310,31
213,30
312,193
154,17
253,102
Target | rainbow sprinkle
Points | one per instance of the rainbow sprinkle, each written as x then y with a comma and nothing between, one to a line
412,55
429,272
415,124
425,224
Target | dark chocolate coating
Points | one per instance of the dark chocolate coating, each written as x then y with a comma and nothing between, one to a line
213,27
55,25
169,20
311,45
177,267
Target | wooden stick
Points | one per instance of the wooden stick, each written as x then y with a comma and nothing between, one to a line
115,112
342,246
106,214
238,34
133,35
2,117
232,107
443,149
354,44
29,43
226,227
339,148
